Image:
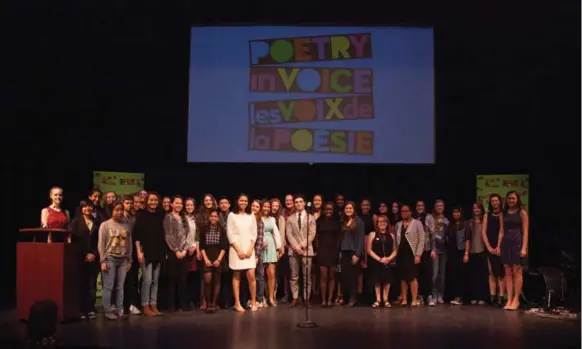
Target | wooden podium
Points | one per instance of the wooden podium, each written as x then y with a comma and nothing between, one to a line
47,271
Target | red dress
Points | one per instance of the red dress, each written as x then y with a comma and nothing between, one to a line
56,219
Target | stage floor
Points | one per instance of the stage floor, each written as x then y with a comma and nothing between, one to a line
276,328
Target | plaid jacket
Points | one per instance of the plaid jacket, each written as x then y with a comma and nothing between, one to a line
260,238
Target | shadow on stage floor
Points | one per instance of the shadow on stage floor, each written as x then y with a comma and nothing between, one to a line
276,328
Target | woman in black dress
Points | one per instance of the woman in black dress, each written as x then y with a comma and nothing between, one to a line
514,242
382,249
213,246
410,235
491,234
328,230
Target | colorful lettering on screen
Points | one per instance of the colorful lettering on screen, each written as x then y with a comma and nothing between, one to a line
273,69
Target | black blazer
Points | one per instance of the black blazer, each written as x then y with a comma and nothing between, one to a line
101,215
84,239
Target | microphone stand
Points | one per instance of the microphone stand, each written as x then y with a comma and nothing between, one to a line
307,323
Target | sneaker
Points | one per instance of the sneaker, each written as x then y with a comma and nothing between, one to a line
110,315
431,302
440,300
456,301
120,313
133,310
473,302
83,317
481,302
92,315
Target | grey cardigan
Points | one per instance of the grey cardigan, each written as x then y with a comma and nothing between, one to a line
414,235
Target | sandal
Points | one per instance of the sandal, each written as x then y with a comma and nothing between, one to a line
387,305
339,300
376,305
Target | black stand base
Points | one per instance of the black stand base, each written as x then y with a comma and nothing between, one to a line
307,324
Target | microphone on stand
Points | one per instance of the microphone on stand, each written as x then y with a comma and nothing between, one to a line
309,260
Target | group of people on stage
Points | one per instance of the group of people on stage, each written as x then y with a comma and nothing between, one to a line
246,256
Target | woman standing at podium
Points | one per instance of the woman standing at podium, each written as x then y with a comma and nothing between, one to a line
54,217
85,235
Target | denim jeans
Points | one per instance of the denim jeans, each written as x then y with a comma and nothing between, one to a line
150,275
260,271
115,275
438,275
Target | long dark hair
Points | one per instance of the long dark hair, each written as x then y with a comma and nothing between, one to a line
345,218
479,205
259,214
182,213
490,207
203,208
461,214
193,203
247,209
395,217
146,206
519,204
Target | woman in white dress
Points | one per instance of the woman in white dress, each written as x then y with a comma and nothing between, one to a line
242,234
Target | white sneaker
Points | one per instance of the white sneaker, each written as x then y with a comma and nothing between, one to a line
456,301
133,310
431,302
473,302
440,300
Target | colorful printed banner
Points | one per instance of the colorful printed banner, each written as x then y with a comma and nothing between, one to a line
502,184
119,182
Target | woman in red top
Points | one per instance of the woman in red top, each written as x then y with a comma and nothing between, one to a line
54,216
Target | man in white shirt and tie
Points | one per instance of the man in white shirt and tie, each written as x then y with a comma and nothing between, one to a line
300,232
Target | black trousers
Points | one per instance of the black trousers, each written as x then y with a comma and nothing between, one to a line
226,295
177,281
425,275
88,288
457,274
349,275
130,289
193,287
478,276
283,272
